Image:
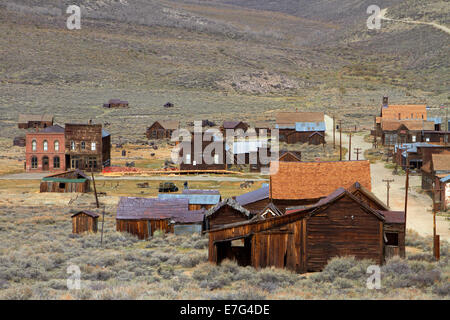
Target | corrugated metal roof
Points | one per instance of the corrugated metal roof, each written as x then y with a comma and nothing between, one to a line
105,133
393,216
310,126
192,198
446,178
436,120
253,196
200,191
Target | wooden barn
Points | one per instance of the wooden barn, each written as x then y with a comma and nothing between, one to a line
27,121
162,129
227,211
84,221
254,201
304,183
143,216
196,201
69,181
304,240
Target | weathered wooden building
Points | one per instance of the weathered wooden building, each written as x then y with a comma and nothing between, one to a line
196,201
304,183
204,151
290,156
403,131
88,147
225,212
84,221
434,178
255,201
162,129
27,121
69,181
233,125
440,137
116,103
304,240
143,216
303,127
414,155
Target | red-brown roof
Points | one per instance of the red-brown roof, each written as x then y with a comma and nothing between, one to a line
408,111
312,180
441,161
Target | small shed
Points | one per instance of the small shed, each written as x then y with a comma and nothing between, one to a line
84,221
69,181
116,103
225,212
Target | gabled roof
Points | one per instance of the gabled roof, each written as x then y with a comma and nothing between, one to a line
297,155
24,118
312,180
441,161
332,197
253,196
205,199
105,133
71,174
132,208
231,124
289,119
89,213
169,124
228,202
310,126
272,209
370,195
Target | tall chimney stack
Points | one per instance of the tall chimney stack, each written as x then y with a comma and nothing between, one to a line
385,101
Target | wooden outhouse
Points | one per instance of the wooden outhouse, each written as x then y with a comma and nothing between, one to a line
84,221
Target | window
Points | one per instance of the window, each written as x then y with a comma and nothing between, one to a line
34,162
62,185
56,145
45,145
427,139
93,146
72,145
33,145
83,145
92,162
188,158
56,162
391,238
413,138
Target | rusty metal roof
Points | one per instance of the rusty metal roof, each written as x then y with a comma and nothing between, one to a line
253,196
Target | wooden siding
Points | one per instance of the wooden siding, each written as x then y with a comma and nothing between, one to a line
84,223
223,216
343,230
257,206
140,228
49,186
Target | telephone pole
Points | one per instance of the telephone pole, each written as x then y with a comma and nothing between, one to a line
357,152
388,187
349,145
334,132
340,140
95,189
436,238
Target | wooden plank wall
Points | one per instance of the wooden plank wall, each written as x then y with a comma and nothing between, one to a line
84,223
140,228
49,186
225,215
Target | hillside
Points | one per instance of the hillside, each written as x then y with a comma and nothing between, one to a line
215,59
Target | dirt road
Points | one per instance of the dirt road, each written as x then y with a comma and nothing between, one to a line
383,13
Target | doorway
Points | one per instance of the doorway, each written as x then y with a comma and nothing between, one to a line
45,164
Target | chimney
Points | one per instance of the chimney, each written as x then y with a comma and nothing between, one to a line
90,121
385,101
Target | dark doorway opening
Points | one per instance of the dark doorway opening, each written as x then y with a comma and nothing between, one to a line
238,250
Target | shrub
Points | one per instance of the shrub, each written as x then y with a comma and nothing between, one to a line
442,289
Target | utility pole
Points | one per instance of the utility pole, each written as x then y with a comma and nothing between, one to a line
340,140
103,222
357,152
334,132
436,238
349,145
388,187
95,189
406,189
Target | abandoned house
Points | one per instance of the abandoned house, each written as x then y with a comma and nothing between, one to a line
143,216
255,201
45,150
88,147
27,121
205,151
116,103
304,240
225,212
404,131
304,183
438,137
414,155
303,127
162,129
69,181
435,178
84,221
196,201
